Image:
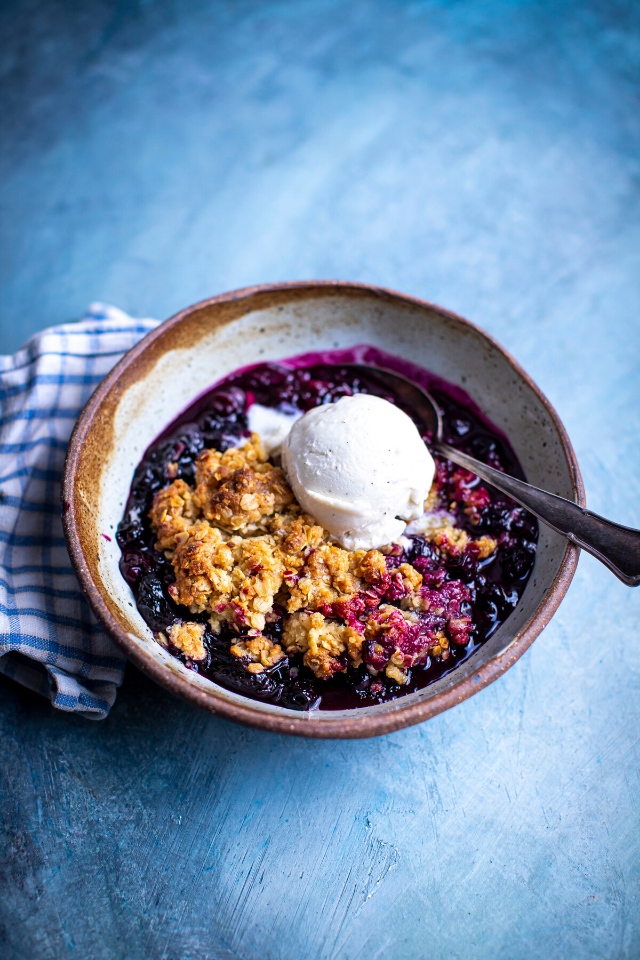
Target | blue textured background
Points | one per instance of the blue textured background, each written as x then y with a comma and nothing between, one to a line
484,155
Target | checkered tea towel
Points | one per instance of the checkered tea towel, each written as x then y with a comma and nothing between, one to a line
49,639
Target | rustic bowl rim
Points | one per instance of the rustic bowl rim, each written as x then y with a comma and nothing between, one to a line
355,725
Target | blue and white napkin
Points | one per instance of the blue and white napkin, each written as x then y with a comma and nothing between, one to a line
49,639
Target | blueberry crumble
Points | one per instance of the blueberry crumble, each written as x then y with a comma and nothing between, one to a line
248,590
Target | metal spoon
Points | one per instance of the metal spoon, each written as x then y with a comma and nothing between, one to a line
616,546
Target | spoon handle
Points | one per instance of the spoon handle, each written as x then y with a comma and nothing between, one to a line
616,546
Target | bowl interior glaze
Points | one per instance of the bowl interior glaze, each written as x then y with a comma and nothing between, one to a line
191,351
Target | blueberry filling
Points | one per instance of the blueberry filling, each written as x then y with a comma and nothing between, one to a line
467,595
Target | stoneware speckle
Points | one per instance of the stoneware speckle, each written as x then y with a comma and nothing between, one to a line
188,353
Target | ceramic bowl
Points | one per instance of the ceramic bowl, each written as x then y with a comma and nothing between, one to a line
185,355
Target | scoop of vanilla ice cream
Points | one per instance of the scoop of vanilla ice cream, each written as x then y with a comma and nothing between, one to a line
357,466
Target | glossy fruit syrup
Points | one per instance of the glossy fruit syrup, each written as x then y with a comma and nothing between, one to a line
485,591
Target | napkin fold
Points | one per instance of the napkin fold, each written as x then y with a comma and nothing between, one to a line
50,640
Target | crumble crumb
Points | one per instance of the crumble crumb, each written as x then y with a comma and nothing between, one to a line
173,512
298,534
440,649
371,566
485,546
322,641
397,640
235,580
238,490
409,576
243,501
202,564
188,638
395,673
332,575
260,651
451,540
433,497
328,575
213,468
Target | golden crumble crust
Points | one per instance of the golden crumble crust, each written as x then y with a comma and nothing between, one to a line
322,642
331,575
213,468
327,576
235,579
371,566
298,533
173,512
258,576
238,489
202,562
245,499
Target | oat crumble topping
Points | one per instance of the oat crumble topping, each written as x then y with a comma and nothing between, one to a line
243,552
188,638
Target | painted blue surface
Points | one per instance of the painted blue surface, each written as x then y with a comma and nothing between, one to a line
482,155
